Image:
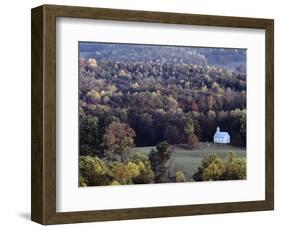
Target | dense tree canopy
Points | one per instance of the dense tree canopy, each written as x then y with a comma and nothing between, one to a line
135,96
159,96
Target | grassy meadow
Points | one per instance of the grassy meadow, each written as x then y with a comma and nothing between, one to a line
188,160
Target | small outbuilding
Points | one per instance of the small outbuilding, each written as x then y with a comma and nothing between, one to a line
221,137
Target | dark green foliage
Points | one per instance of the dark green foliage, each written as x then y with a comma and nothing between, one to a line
158,159
173,135
89,138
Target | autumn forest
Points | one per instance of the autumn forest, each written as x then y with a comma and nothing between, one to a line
148,114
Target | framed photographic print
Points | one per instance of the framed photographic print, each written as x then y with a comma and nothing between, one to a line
141,114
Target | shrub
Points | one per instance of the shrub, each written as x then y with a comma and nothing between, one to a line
146,174
121,173
235,168
214,168
180,177
94,171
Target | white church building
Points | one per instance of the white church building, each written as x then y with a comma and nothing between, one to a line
221,137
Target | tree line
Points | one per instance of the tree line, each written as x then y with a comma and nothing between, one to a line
132,167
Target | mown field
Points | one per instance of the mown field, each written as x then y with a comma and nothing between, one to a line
189,160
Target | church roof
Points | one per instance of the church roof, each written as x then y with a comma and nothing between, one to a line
220,134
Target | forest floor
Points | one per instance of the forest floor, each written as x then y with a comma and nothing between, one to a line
188,160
